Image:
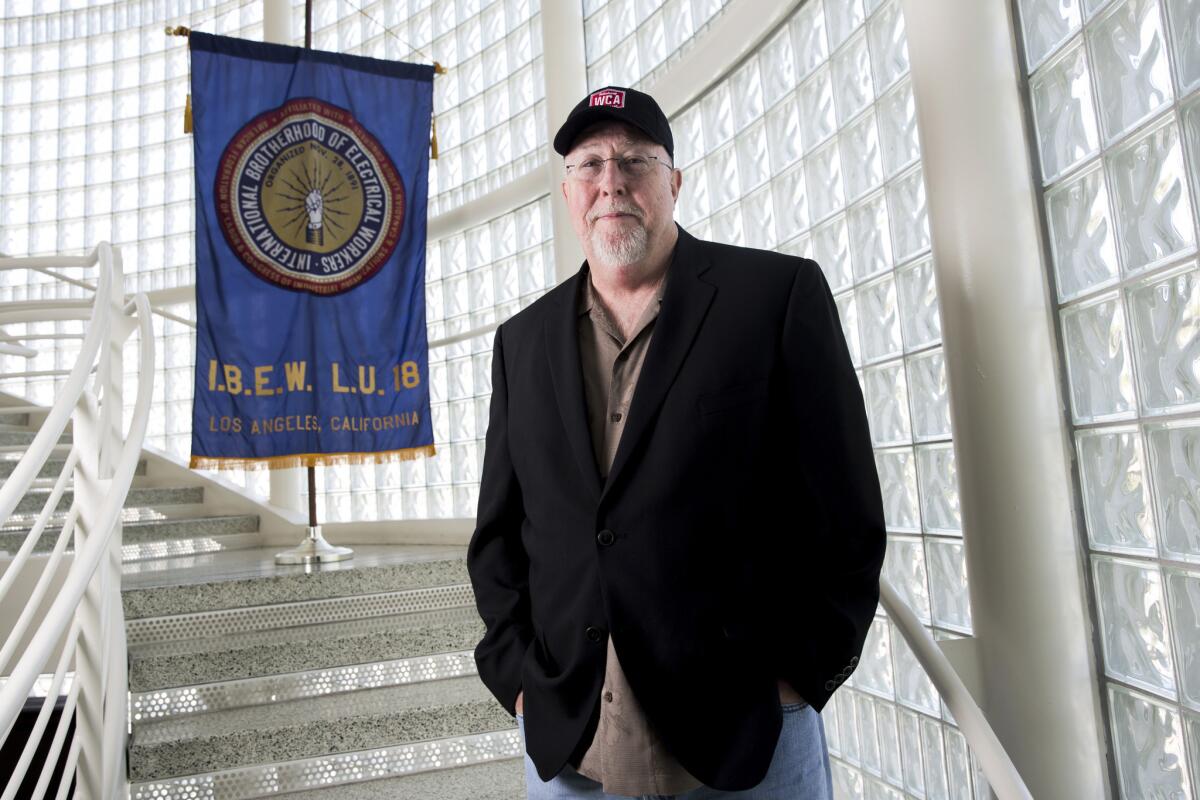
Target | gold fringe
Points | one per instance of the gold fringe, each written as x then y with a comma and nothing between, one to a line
433,138
312,459
187,114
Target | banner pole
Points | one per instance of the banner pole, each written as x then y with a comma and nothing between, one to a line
314,549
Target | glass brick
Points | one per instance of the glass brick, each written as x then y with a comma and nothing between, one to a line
784,142
843,17
880,319
791,202
868,737
958,766
823,177
727,226
722,169
1183,595
1133,621
1148,745
874,670
887,404
937,476
817,117
688,129
754,167
909,215
1174,450
1081,235
913,689
847,310
861,161
1183,22
1047,24
1153,209
920,316
1130,57
869,236
930,395
951,603
831,249
807,27
777,68
1116,496
757,220
852,86
1098,365
897,471
935,760
1064,111
889,45
1165,322
745,91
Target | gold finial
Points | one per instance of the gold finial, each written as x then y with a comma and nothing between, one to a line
178,30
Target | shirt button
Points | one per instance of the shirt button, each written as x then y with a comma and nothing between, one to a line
594,634
606,537
608,697
616,417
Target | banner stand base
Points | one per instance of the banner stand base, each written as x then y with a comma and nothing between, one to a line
314,550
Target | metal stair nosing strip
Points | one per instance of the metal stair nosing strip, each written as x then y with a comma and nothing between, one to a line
344,645
389,765
299,729
155,597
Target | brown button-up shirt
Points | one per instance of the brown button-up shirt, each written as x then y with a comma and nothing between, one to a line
626,756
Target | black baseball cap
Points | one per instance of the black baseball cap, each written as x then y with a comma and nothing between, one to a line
624,105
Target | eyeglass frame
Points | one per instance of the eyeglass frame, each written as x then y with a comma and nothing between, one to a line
621,161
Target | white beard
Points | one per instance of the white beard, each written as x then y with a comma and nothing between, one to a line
619,250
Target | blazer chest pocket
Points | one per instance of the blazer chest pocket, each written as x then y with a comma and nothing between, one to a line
732,397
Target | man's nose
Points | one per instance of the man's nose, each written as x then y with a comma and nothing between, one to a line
612,179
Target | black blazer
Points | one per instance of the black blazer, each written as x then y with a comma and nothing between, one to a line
738,538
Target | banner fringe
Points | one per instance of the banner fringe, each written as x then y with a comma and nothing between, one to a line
312,459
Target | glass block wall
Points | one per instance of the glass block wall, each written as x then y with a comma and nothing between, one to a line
1113,87
475,279
630,42
810,147
490,104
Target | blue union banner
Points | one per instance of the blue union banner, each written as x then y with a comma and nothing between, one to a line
311,183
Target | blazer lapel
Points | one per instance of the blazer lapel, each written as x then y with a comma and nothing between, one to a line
685,303
566,373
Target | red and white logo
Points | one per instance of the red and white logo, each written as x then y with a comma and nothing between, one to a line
613,98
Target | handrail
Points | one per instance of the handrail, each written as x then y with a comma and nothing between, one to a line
1001,773
85,617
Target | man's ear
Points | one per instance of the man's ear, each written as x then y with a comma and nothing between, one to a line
563,186
676,182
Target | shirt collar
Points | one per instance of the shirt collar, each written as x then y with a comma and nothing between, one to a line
587,296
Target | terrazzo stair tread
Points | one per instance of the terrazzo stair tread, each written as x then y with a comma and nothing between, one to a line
189,662
25,438
138,497
503,779
145,531
52,467
250,577
360,720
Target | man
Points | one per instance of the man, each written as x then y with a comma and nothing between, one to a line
680,528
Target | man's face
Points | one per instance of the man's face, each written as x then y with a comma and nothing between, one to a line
619,219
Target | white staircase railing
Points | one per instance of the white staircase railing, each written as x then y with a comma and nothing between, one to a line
85,618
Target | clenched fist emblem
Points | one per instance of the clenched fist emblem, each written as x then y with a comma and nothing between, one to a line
315,206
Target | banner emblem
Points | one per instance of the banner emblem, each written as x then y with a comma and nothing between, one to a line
308,199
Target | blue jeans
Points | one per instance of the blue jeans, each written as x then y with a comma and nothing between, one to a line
799,769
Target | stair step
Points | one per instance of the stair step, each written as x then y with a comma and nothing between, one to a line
487,766
138,497
314,726
273,654
20,418
25,438
138,534
247,579
497,780
52,467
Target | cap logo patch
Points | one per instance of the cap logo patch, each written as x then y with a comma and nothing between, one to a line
613,98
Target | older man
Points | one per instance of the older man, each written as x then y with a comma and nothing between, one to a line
680,528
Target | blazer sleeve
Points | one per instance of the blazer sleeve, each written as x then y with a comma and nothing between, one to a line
837,547
496,560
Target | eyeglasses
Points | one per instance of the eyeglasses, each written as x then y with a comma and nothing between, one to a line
635,166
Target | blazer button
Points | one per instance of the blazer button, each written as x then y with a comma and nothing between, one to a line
594,634
606,537
830,686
